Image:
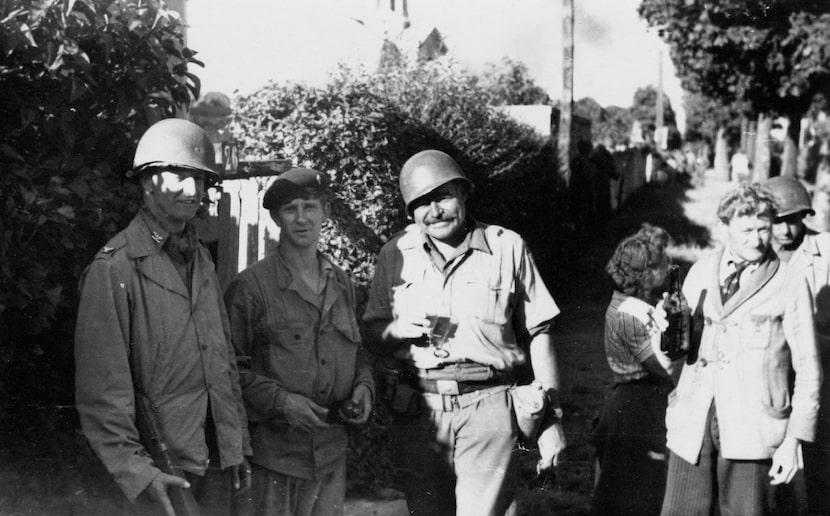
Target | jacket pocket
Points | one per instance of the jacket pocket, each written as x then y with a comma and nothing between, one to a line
777,382
756,331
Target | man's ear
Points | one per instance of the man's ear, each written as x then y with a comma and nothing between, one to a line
274,216
146,182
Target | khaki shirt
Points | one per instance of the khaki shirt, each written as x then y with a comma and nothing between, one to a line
290,340
493,291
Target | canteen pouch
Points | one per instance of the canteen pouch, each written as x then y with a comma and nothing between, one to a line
406,401
529,406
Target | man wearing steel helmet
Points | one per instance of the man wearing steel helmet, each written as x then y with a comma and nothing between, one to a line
303,370
151,323
808,254
461,307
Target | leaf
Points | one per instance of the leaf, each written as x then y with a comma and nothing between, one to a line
66,211
78,89
7,150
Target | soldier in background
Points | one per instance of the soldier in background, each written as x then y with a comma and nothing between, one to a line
152,323
808,254
605,170
582,189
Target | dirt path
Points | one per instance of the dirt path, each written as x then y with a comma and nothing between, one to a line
579,283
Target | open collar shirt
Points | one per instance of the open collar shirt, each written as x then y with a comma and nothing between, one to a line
290,339
491,288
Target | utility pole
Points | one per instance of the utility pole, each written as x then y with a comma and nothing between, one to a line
658,131
566,105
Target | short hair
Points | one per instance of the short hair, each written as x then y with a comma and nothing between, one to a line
747,199
635,256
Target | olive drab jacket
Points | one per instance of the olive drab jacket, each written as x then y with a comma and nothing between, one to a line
748,349
135,309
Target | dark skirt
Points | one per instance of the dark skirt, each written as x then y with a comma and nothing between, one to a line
630,442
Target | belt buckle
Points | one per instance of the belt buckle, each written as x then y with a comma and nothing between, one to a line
447,387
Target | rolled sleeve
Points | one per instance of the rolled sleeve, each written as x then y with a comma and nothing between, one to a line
537,305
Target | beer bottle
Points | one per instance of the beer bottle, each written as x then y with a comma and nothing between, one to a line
675,339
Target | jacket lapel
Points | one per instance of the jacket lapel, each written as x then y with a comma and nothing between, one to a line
752,283
150,262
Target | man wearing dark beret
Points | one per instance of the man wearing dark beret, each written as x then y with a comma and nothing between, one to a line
302,366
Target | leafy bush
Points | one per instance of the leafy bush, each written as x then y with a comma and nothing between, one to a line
362,127
81,80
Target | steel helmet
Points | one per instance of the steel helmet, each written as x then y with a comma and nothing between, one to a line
175,143
790,195
426,171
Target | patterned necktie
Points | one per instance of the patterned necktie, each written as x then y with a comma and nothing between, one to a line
732,281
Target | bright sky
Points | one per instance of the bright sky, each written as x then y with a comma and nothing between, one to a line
246,43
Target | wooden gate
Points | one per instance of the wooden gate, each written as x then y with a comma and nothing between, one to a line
241,232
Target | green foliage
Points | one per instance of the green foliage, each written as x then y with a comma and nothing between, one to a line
80,80
607,123
644,107
705,116
510,83
771,54
362,127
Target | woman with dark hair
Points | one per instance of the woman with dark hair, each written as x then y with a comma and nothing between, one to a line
630,435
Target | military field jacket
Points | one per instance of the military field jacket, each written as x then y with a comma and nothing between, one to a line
135,308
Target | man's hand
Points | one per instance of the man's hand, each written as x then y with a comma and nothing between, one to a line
786,461
551,442
361,400
304,413
241,476
422,357
408,326
158,490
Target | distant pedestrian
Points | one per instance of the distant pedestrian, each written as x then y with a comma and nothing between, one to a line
739,167
749,391
582,190
808,254
605,170
630,437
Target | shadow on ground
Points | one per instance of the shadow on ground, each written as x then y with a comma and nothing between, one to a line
573,266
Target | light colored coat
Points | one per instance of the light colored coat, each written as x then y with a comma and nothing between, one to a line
748,350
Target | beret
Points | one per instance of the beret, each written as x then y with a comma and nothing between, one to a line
297,183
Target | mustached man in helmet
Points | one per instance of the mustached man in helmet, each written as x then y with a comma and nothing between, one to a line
304,372
152,324
808,253
461,306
